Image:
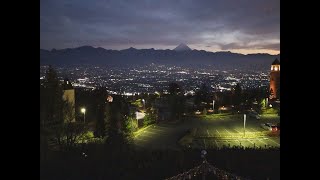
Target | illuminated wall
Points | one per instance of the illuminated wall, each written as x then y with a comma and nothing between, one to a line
69,95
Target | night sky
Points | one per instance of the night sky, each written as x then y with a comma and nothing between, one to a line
243,26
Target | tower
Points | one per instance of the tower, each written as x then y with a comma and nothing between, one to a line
274,91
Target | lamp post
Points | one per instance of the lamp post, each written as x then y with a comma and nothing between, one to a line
213,105
244,125
137,117
83,110
144,103
266,102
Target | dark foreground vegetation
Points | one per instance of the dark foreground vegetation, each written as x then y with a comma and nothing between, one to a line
101,162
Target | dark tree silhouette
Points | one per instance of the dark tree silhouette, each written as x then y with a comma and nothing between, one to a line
202,95
237,95
174,88
51,102
176,101
100,103
117,123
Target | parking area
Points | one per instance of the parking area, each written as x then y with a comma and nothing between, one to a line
212,131
219,137
217,131
163,136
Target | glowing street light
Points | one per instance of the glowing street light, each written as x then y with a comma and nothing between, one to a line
144,103
83,110
244,125
266,102
213,105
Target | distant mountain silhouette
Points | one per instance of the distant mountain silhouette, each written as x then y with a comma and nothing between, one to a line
132,56
182,47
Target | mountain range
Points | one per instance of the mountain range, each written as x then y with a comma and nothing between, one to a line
181,55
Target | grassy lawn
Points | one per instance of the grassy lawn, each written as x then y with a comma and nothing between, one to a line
137,103
267,116
140,131
223,116
269,111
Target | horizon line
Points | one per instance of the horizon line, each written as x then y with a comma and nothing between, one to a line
155,49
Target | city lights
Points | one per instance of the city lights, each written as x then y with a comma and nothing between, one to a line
122,95
149,79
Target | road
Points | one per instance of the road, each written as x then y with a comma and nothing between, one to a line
211,132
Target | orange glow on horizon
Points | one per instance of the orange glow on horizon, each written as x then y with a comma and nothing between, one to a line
255,51
241,51
248,51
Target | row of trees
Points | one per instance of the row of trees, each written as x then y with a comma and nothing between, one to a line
236,97
57,115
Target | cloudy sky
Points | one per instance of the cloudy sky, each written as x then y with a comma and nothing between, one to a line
243,26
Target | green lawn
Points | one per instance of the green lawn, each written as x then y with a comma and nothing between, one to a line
137,103
219,116
270,111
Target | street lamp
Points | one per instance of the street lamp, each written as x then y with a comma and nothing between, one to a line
137,119
244,125
144,103
213,105
83,110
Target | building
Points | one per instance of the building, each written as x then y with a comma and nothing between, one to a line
69,96
274,91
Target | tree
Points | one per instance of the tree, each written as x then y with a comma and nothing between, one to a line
100,96
263,103
67,133
237,95
117,123
174,88
51,102
132,124
72,132
51,108
176,101
202,95
148,119
68,111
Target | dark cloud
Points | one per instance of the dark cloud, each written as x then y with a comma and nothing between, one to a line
159,23
275,46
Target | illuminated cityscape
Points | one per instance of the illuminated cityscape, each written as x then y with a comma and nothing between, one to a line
152,78
158,90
